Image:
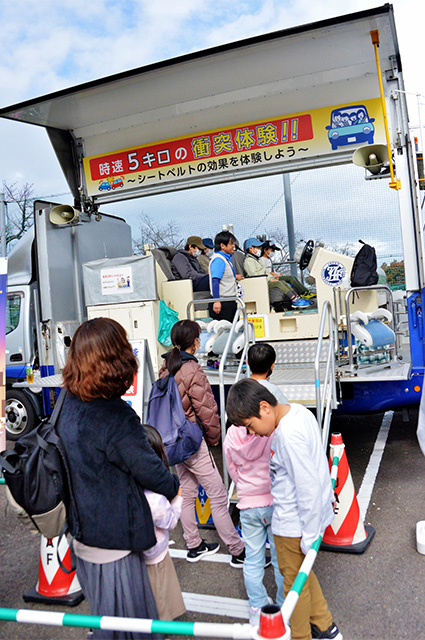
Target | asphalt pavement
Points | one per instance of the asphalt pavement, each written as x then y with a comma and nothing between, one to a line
376,595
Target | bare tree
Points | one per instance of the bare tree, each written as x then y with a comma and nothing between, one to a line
20,215
157,234
280,238
347,249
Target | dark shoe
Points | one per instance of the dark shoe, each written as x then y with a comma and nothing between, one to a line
333,633
203,549
237,561
281,306
267,562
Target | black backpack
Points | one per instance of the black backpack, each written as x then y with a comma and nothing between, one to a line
37,475
364,272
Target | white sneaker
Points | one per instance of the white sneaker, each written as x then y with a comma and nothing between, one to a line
254,616
254,613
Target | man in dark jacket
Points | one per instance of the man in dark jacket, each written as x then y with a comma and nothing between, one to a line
185,265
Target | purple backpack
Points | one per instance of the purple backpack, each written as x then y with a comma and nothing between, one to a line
181,437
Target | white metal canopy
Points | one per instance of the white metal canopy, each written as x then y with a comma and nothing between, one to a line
310,67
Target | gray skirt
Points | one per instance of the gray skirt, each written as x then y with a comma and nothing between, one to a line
120,588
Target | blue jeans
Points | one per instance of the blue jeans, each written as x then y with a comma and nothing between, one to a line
256,526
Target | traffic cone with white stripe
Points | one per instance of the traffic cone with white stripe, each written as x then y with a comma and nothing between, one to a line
346,533
55,585
272,624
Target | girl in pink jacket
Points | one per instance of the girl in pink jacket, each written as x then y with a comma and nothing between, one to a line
247,458
165,515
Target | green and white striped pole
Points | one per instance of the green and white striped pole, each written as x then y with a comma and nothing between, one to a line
196,629
135,625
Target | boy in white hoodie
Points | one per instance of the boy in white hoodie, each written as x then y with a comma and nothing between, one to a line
302,494
247,459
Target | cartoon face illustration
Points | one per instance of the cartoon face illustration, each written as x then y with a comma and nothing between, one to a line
336,120
350,125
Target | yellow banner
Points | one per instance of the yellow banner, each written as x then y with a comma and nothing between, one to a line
267,142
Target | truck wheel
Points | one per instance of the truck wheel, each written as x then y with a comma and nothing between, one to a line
20,415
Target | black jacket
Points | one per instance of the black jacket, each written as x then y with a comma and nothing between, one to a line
111,463
186,267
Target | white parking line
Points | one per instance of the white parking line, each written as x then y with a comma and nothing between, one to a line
216,557
365,492
216,605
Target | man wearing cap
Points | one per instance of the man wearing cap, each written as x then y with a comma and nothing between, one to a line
185,265
281,294
204,258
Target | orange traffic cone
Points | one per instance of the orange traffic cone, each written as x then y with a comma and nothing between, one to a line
346,533
272,624
54,585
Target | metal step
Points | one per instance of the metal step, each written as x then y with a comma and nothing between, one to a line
299,351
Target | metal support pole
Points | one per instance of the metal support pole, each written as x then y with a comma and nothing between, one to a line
3,225
289,220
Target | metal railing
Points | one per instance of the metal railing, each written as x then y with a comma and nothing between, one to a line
353,290
248,330
326,397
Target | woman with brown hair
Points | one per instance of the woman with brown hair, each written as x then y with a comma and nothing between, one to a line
199,402
111,464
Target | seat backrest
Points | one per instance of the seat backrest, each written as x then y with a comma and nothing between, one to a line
237,260
163,256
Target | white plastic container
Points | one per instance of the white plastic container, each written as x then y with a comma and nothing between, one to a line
420,536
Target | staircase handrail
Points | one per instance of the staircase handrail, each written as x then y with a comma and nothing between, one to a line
248,329
326,401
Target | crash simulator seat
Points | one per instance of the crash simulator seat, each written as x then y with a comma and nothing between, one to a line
374,338
176,293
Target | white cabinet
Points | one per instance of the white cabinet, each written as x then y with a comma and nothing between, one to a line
140,320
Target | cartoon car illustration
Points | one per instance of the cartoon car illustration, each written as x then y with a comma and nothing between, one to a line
104,186
117,182
350,125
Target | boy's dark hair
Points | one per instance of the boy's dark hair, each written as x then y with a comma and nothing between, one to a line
261,357
243,400
223,237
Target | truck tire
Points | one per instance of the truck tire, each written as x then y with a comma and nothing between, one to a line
21,417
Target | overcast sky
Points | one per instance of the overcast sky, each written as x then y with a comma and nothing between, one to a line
47,45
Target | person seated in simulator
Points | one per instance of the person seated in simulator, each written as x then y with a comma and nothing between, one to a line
185,265
267,252
281,294
205,257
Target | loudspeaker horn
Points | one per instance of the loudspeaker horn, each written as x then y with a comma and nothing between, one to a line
64,214
372,157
